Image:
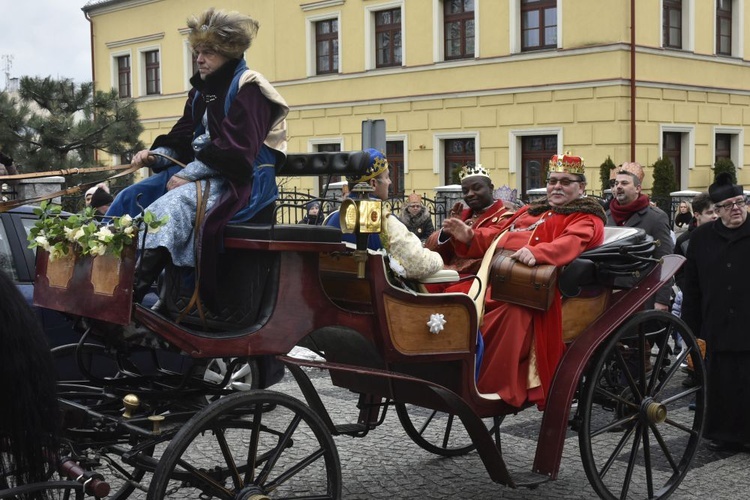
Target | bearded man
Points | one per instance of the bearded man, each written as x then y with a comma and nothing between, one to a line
555,230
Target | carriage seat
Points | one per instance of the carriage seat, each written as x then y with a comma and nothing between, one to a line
625,252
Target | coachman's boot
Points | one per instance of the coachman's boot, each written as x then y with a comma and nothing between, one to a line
149,267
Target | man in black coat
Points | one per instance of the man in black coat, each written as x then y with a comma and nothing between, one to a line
715,307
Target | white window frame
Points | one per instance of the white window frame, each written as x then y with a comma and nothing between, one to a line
736,148
312,147
401,138
514,28
187,63
515,147
115,72
438,149
687,149
438,43
312,46
142,70
738,29
370,44
688,20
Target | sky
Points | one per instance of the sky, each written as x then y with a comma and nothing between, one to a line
45,38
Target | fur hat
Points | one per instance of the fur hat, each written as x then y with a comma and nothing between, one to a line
100,198
473,170
723,189
377,165
228,33
414,198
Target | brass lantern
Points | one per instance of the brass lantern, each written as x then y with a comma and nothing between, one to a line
361,216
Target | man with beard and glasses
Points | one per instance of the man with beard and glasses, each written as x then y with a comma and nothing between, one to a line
523,346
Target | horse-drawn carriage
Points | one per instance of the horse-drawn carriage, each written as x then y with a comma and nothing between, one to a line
182,434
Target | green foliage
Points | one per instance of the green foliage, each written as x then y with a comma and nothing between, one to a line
664,183
82,234
605,170
55,124
725,165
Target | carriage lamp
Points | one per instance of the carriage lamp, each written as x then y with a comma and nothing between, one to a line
361,216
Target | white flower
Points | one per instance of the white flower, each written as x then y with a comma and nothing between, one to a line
153,230
55,253
126,221
129,230
42,242
104,235
397,267
97,249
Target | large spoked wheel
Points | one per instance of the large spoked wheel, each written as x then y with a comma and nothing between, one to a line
437,432
638,435
236,449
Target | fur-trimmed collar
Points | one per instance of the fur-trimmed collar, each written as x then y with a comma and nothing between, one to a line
585,205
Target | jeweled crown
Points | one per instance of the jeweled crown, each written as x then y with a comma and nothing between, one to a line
567,163
472,170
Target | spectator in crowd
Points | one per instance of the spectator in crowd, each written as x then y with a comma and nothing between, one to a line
481,211
100,201
417,218
715,307
683,218
7,166
522,346
90,192
407,256
314,215
631,208
231,135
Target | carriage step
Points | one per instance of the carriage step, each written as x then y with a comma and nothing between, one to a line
529,479
350,429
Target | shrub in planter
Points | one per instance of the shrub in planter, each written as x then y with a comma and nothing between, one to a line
725,165
664,183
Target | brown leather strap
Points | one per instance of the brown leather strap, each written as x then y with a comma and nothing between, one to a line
65,171
7,205
200,215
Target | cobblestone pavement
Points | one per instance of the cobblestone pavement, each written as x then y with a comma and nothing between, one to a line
387,464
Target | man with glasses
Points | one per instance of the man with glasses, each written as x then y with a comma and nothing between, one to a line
555,231
715,307
631,208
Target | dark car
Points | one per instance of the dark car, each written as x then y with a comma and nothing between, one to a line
19,262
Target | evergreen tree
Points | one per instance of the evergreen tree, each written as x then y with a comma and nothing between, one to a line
664,183
55,124
725,165
605,170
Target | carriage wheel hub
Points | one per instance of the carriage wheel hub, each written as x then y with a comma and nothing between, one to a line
655,412
252,493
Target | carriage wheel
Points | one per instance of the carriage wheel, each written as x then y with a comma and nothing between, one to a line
245,376
435,431
638,437
236,449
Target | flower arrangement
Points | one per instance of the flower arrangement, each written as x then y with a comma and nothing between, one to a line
83,234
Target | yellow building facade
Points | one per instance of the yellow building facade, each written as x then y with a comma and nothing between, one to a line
502,83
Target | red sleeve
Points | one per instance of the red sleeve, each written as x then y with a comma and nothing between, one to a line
580,232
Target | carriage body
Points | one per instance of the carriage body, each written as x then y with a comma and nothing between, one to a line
300,287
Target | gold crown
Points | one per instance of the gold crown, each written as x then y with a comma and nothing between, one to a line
472,170
567,163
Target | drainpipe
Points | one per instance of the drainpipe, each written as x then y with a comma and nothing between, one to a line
93,72
632,81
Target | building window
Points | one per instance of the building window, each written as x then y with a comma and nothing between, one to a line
325,180
394,151
153,84
123,76
538,24
672,24
536,151
672,150
458,152
327,46
723,148
724,27
388,38
458,19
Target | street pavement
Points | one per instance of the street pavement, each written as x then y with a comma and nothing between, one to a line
387,464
